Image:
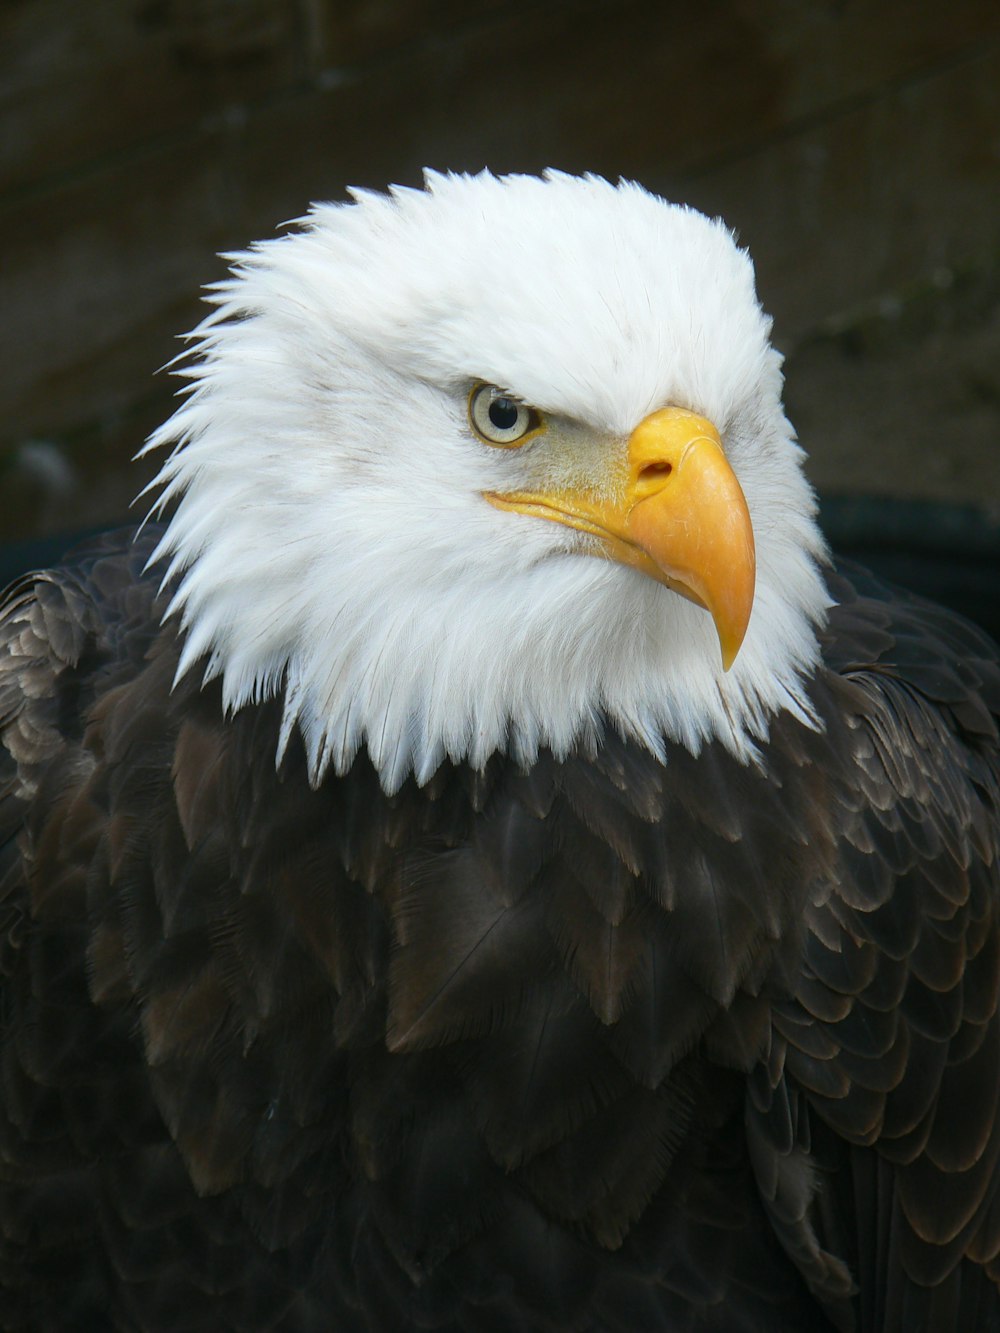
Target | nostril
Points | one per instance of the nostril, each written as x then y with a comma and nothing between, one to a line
654,470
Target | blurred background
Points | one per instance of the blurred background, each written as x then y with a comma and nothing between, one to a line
853,144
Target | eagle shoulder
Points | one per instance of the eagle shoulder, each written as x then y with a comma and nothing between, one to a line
60,631
884,1073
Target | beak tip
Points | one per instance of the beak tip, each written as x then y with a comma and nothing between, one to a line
729,655
731,639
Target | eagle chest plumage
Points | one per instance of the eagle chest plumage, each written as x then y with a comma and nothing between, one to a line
432,1023
290,1054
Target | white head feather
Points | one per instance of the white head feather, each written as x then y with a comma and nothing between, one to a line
330,525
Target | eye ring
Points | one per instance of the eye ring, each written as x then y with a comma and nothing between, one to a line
500,419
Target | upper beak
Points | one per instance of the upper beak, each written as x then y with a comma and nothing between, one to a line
672,509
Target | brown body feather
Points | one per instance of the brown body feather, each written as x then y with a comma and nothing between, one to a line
604,1045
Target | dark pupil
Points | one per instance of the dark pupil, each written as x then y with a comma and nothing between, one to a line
503,413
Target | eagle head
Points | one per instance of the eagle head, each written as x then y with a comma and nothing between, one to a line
490,466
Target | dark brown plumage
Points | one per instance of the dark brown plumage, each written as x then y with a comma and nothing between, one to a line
603,1045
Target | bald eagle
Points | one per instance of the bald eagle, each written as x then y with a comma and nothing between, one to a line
471,860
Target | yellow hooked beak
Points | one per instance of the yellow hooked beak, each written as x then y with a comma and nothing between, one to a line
673,509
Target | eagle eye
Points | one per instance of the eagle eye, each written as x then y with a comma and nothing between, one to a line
499,419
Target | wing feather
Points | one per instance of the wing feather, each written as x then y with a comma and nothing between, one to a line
893,1033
